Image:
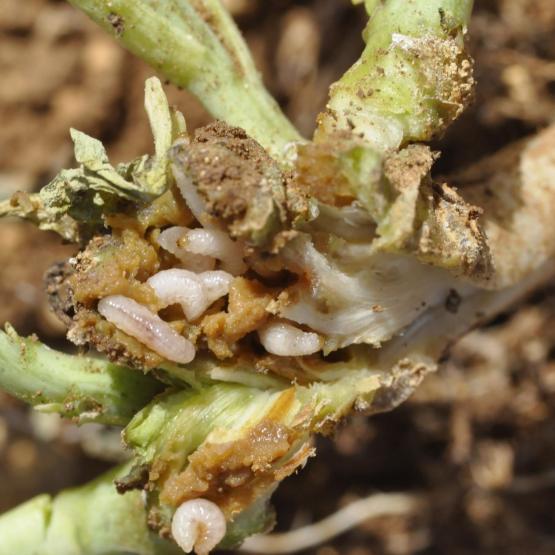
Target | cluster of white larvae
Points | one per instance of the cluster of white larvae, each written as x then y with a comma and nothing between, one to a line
195,287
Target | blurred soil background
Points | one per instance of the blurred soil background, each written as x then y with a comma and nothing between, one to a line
475,445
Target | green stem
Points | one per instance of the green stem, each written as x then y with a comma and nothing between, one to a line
92,519
168,431
413,78
196,45
79,387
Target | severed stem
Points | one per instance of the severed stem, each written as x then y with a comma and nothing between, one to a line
413,78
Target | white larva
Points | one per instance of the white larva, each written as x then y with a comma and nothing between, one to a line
217,244
169,240
189,193
281,338
179,287
138,321
215,284
194,292
197,249
198,525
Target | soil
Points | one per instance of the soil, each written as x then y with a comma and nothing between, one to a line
476,443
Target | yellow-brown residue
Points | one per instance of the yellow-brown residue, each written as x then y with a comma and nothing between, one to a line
233,474
112,265
167,209
90,327
317,174
115,265
246,312
119,264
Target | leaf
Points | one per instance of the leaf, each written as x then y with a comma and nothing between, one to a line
97,170
30,207
75,202
159,116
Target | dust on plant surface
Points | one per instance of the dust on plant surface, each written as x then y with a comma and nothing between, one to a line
247,289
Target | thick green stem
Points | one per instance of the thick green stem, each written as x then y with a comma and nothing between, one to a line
233,418
412,79
92,519
196,45
84,388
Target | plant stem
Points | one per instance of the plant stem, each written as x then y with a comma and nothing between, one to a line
92,519
84,388
196,45
413,78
